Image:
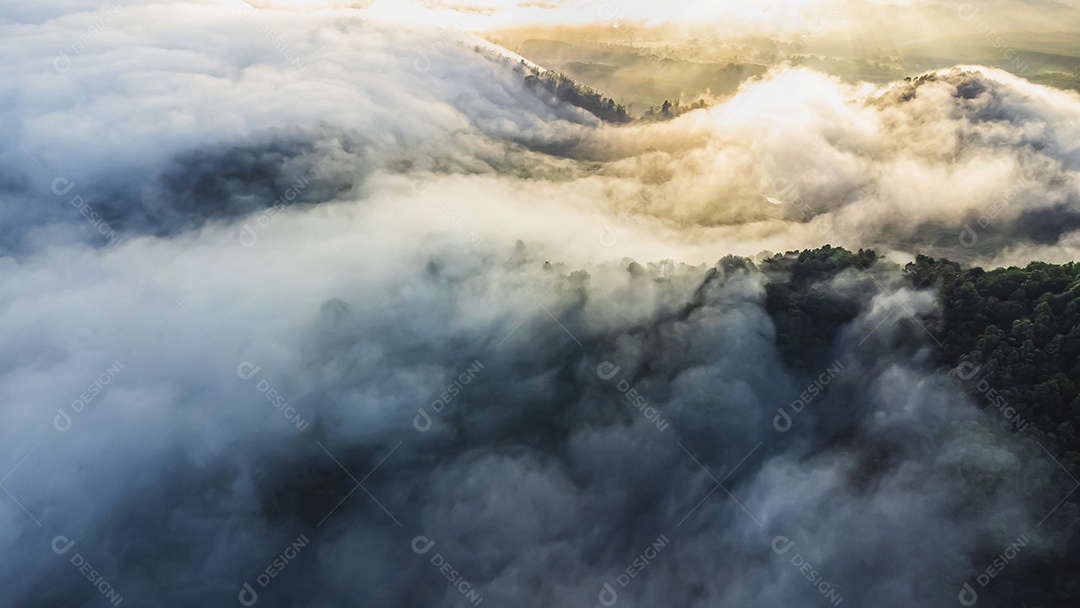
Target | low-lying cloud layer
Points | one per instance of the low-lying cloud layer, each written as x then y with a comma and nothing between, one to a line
971,160
267,312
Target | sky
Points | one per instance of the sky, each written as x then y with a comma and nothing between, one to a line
778,17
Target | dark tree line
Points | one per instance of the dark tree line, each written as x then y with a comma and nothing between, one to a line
556,86
563,88
669,110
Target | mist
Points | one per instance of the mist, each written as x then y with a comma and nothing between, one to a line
311,309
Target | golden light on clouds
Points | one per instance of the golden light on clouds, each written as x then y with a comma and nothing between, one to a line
486,14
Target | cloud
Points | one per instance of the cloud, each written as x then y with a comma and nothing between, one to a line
282,264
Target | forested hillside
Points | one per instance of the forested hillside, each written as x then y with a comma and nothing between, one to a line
1019,330
562,88
1009,336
